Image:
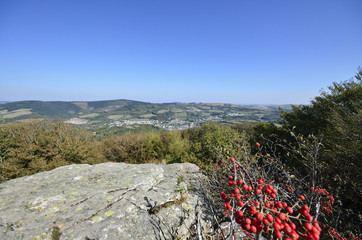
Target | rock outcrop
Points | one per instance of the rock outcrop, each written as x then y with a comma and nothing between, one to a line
104,201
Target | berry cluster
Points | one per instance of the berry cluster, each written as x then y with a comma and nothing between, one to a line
329,199
289,188
333,234
353,237
255,207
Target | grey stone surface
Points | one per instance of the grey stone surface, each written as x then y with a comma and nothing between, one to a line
104,201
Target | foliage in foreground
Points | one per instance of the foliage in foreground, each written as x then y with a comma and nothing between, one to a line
260,196
335,120
31,147
36,146
317,145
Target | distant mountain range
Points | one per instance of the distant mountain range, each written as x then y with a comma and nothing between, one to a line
127,112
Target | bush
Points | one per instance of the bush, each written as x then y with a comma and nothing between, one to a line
257,196
31,147
335,117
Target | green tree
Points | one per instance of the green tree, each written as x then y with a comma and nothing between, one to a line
126,148
336,117
213,141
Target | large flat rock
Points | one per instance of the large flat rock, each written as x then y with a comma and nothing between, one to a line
104,201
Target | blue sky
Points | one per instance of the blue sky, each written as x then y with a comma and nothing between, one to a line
234,51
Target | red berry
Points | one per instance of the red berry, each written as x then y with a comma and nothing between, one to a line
281,216
253,228
240,213
257,144
288,229
232,159
292,225
305,208
222,195
309,217
240,181
289,210
269,217
252,210
236,190
227,206
240,204
316,236
259,216
278,234
276,226
304,212
308,226
278,204
273,195
301,197
266,222
295,235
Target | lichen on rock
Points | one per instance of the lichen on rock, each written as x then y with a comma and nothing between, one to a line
103,201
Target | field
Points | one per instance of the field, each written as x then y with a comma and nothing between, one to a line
16,113
125,112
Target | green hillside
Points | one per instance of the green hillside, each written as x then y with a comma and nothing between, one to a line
123,112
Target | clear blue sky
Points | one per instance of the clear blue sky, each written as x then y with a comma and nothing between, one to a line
234,51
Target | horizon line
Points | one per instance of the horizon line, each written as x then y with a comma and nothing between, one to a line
120,99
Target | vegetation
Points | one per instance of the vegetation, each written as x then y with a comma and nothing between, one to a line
102,133
261,199
313,146
126,113
27,148
334,120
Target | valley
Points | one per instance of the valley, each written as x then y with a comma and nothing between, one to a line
128,113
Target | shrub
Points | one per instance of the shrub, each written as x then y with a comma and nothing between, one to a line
36,146
257,195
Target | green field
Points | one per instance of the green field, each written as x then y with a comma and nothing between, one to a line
113,112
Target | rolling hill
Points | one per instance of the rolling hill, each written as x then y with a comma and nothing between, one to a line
127,112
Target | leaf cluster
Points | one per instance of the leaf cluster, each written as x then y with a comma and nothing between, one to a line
334,117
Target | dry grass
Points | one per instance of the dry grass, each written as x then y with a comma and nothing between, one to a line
18,113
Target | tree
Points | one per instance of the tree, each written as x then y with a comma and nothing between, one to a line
336,117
